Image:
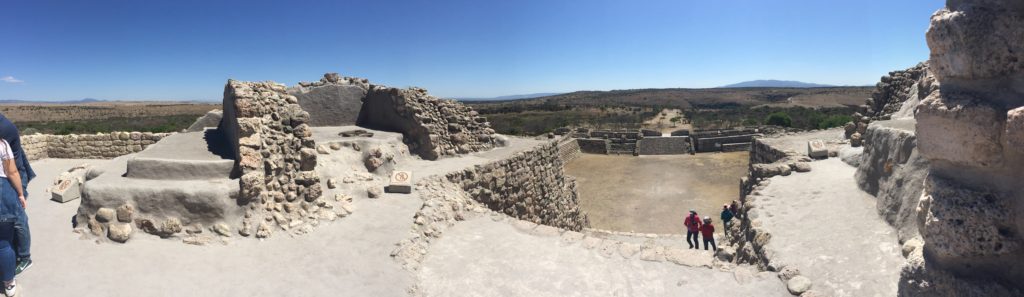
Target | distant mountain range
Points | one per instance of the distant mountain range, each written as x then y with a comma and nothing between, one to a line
79,101
768,83
509,97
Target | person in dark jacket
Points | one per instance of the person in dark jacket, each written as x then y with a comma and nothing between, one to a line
12,203
22,238
708,231
727,215
692,223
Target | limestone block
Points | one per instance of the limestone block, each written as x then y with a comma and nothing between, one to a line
963,223
976,40
959,131
66,189
401,182
119,232
817,149
124,213
1015,130
104,215
799,284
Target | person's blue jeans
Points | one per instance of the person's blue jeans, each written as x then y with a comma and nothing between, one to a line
7,258
22,241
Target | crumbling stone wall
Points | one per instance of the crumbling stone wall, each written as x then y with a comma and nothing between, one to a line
971,130
276,157
88,146
896,96
530,186
432,127
334,100
593,145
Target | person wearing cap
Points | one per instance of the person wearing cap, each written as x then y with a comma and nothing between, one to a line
727,215
708,231
692,223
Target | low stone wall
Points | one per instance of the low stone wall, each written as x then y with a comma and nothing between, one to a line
568,149
763,153
87,146
664,145
530,186
275,153
714,144
593,146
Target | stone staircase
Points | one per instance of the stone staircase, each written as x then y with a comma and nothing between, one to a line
187,176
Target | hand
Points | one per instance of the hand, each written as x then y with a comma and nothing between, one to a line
22,200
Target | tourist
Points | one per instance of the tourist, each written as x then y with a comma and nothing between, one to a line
22,238
735,208
12,205
708,231
727,215
692,223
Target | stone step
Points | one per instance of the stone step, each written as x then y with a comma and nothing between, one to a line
184,156
192,201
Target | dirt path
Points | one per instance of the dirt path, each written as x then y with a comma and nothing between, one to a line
663,121
651,194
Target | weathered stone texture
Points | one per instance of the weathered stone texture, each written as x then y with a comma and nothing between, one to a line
332,101
432,127
531,186
970,217
568,149
276,156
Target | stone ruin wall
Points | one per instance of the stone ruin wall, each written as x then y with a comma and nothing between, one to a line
657,145
971,130
896,96
432,127
88,146
275,155
530,186
568,149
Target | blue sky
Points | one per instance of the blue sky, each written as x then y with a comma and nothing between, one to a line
186,50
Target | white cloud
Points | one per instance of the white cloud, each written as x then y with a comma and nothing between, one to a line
11,80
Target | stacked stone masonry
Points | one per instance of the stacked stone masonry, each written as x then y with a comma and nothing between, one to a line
530,186
432,127
676,145
87,146
276,157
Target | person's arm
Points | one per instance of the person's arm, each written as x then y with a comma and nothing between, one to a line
15,179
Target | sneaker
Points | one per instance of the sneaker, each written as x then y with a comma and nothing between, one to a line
22,265
11,290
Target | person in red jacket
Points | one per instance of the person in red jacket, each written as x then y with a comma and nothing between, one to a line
708,231
692,223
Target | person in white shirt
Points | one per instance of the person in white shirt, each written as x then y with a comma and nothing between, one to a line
12,206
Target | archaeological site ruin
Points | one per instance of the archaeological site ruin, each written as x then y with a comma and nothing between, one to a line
343,186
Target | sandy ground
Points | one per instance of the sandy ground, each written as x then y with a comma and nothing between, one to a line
826,226
480,257
350,256
652,194
663,122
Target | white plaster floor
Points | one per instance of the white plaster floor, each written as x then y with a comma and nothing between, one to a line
822,223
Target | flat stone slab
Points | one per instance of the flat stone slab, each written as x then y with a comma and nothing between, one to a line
824,225
480,257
